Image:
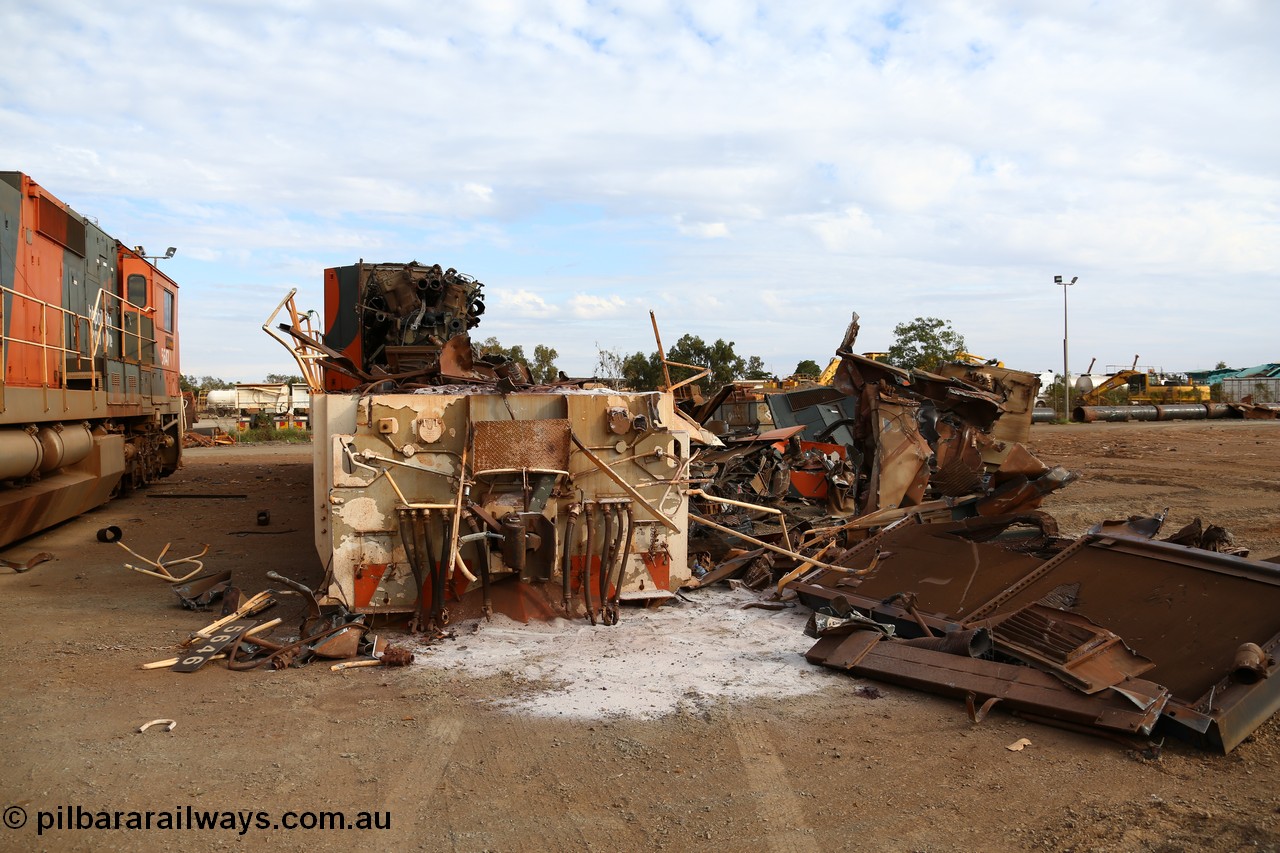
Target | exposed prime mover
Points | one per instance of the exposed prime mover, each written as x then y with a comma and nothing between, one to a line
89,396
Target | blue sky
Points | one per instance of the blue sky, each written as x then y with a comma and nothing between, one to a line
749,171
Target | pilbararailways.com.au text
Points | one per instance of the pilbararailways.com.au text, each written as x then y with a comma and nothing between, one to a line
186,818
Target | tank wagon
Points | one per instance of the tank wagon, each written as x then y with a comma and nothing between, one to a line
90,403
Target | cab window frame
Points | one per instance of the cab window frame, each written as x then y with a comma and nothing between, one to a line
134,284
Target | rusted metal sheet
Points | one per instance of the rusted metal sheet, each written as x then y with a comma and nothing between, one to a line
1086,656
1186,610
1011,686
525,444
900,459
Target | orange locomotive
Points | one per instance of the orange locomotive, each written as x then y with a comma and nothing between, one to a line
89,396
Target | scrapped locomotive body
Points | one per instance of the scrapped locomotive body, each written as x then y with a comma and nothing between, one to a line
446,481
555,502
89,375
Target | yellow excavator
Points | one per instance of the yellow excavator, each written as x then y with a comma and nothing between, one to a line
1145,386
828,374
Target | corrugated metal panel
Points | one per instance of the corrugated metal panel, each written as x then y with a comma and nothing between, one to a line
1271,369
1263,389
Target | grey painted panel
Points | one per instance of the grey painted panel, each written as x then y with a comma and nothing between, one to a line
1263,389
114,382
814,418
10,228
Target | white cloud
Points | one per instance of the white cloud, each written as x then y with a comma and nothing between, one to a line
586,306
525,304
706,230
915,149
850,230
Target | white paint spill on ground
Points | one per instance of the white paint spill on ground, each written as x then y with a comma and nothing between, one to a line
652,663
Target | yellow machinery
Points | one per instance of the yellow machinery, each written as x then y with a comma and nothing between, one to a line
828,374
1145,387
971,358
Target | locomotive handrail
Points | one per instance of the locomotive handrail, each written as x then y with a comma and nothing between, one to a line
98,322
43,344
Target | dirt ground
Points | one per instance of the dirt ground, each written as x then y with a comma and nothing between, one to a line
834,768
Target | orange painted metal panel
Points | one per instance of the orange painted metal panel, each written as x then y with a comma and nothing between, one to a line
38,285
335,382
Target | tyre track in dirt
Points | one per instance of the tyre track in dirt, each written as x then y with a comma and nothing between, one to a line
771,788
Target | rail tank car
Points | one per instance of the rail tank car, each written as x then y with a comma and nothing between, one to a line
90,404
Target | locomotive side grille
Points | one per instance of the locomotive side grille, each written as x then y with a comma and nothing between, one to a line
58,225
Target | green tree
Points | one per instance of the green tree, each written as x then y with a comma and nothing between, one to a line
490,346
755,369
642,372
725,364
809,368
204,383
924,343
1222,365
543,367
284,379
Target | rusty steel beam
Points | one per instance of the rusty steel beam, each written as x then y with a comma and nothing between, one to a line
1014,687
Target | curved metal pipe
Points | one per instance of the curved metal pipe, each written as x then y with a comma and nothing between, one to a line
566,557
973,643
438,616
1250,665
606,573
422,541
1181,412
622,562
482,561
586,567
606,555
1093,414
408,540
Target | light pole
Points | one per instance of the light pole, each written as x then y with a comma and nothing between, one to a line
169,253
1066,376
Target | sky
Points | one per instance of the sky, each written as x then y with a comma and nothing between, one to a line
749,171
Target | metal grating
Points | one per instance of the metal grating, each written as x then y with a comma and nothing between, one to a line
521,444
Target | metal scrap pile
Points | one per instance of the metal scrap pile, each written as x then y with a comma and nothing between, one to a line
902,506
919,545
397,327
883,443
326,631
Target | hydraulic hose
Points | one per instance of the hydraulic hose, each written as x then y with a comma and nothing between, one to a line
586,567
